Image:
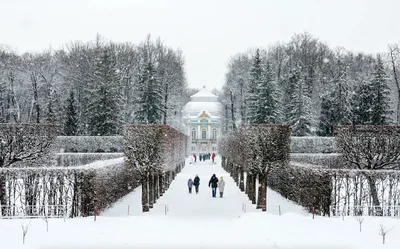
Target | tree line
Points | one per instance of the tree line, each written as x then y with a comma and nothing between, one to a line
93,88
311,87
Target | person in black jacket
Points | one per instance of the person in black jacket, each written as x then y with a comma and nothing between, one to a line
213,183
196,183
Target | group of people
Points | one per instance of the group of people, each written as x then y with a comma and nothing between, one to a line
204,157
214,183
195,183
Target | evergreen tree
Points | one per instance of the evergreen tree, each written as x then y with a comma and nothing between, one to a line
326,117
268,98
256,78
105,96
362,104
300,116
380,92
341,97
71,116
150,97
289,88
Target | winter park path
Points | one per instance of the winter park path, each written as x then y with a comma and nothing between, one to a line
199,221
179,202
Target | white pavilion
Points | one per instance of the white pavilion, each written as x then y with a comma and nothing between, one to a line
202,120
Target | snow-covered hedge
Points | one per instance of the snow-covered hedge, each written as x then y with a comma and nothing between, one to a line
313,145
156,153
73,159
115,144
256,149
331,160
89,144
79,188
315,186
31,143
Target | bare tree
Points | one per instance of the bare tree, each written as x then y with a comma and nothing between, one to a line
25,229
370,147
46,219
360,220
383,231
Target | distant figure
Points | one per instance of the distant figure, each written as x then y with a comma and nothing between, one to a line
196,183
190,185
213,183
201,157
213,157
221,186
195,157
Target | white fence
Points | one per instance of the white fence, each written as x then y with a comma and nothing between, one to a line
388,211
34,211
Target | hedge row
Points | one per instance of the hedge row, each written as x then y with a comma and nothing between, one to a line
115,144
82,189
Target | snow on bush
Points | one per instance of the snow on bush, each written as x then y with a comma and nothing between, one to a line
25,143
74,159
89,144
77,190
330,190
313,145
256,149
156,153
370,147
331,160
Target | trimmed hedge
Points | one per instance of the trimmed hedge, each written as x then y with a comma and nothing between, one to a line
89,144
75,159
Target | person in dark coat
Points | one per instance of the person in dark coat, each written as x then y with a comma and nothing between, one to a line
196,183
201,157
190,185
213,183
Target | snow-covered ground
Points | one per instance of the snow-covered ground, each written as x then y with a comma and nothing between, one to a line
200,221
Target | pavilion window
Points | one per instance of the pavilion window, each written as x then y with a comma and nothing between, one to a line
194,134
214,134
204,134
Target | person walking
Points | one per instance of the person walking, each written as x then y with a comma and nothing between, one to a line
190,185
195,157
213,183
221,186
213,157
200,157
196,183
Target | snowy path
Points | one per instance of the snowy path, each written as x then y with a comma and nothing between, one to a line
180,203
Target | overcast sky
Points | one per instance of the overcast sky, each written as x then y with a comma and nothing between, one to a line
208,32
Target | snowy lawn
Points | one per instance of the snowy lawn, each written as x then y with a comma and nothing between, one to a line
251,230
200,221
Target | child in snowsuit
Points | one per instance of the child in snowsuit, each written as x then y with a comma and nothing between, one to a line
196,183
221,186
190,185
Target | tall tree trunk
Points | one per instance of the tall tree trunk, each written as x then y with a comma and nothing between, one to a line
262,193
248,176
233,111
253,188
236,174
145,192
374,195
241,185
166,93
161,183
156,187
3,200
151,190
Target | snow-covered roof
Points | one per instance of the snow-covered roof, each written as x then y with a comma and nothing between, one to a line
203,101
203,96
196,108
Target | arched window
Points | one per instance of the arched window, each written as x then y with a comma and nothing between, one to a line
214,134
194,133
204,134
